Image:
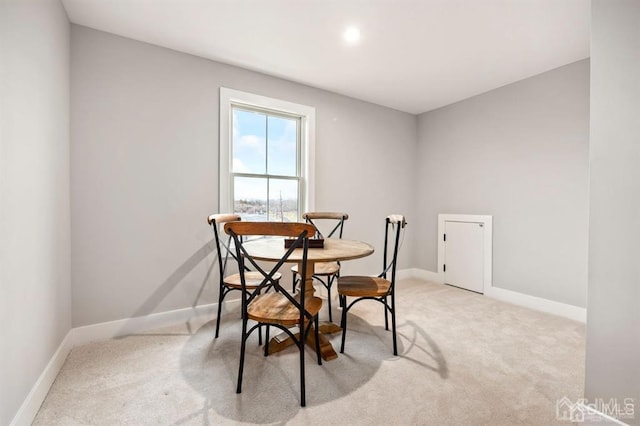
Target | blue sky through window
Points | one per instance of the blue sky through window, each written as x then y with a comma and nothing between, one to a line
265,145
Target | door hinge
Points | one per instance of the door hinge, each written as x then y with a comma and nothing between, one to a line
444,268
444,236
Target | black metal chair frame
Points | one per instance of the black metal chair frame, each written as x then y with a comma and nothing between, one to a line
331,278
302,241
224,289
388,309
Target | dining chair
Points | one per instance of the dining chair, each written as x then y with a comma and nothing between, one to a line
324,272
280,308
230,283
377,288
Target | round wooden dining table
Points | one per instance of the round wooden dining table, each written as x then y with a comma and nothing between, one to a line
272,250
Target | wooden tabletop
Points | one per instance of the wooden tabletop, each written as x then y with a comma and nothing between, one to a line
272,249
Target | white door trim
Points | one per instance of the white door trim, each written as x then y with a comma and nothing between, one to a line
487,222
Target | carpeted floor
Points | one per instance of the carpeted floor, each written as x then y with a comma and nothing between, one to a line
464,359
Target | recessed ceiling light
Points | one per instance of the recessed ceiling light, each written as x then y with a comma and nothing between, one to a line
351,35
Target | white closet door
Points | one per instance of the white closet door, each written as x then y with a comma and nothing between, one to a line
464,255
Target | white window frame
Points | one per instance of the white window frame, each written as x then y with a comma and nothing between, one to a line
229,97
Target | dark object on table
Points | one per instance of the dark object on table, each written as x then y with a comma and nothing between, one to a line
313,242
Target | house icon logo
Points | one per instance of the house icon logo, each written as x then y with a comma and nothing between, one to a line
569,411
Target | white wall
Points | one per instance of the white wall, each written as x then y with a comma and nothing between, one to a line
613,321
144,166
519,153
35,311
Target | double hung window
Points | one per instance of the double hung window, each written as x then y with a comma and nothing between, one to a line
266,153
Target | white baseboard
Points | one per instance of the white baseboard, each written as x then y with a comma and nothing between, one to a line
421,274
40,389
539,304
532,302
124,327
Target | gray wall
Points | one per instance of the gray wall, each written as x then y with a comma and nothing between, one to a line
613,321
144,167
35,310
519,153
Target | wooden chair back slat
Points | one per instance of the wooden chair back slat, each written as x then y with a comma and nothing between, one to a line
325,215
283,229
220,218
397,218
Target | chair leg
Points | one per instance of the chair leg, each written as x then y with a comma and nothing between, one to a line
393,324
386,318
266,342
317,337
329,283
293,282
242,348
260,330
303,401
220,299
343,323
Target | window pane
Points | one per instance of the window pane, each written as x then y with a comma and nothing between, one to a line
283,200
249,142
250,198
282,146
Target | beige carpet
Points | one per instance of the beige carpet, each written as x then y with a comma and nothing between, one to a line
464,359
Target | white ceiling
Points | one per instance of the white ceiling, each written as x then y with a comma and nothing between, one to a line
414,55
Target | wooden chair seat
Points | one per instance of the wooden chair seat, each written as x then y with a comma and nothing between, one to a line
275,308
322,268
359,286
252,278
